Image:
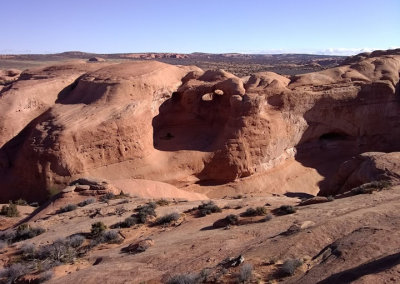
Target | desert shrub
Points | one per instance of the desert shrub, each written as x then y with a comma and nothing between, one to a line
110,237
258,211
7,236
10,210
127,223
58,252
24,232
232,219
207,208
67,208
146,211
162,202
167,219
286,209
27,251
123,201
76,241
245,273
97,229
289,267
267,218
45,276
21,202
107,196
3,244
184,279
86,202
13,272
120,210
370,187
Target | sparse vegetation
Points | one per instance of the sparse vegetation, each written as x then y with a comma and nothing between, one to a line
258,211
10,210
368,188
86,202
3,244
207,208
76,241
21,202
145,212
127,223
23,232
285,210
167,219
289,267
246,272
97,229
120,210
45,276
267,218
162,202
232,219
13,272
111,237
67,208
109,195
106,197
36,260
184,279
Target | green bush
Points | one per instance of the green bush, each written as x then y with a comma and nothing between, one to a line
127,223
207,208
286,209
232,219
258,211
24,232
167,219
146,211
97,229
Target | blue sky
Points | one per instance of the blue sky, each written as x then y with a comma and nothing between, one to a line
218,26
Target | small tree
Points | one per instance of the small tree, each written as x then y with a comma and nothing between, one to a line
97,229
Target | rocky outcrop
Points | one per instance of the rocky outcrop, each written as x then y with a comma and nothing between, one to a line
366,168
181,125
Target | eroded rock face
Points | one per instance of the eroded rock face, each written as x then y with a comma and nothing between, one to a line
365,168
154,121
